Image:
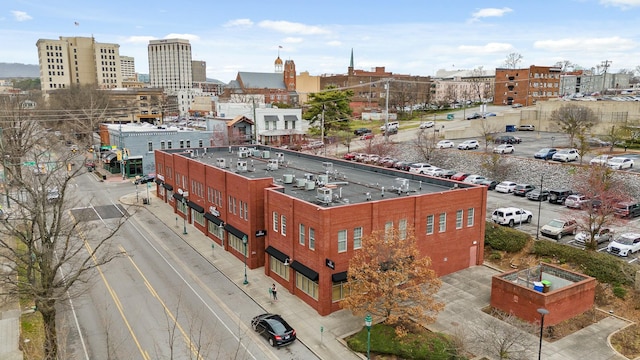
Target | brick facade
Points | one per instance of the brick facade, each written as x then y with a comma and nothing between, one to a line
526,86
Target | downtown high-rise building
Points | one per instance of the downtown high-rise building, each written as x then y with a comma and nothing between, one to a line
78,60
170,64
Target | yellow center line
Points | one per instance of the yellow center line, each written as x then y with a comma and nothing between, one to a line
116,300
187,338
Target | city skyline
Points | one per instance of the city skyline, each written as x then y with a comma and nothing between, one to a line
411,38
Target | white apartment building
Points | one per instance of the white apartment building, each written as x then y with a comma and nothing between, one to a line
78,60
128,67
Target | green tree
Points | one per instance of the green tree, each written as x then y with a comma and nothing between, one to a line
330,107
574,120
389,278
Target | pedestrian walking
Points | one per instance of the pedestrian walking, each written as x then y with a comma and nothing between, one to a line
274,292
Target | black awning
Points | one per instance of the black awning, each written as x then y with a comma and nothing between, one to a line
158,181
276,253
235,232
312,275
339,277
177,196
195,207
168,187
291,118
271,118
214,219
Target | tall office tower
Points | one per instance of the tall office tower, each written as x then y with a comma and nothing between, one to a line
170,64
128,66
78,60
199,69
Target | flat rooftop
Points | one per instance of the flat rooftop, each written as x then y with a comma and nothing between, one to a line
320,180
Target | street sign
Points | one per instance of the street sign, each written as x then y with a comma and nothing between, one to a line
29,163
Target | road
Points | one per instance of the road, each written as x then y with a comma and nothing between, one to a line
159,298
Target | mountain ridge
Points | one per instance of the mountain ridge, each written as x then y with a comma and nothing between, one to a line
18,70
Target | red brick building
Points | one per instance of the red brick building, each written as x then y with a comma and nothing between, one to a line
526,86
304,216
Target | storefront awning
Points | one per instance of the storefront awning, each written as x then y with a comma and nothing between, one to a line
271,118
312,275
214,219
195,207
158,181
168,187
177,196
276,253
290,118
109,157
235,232
339,277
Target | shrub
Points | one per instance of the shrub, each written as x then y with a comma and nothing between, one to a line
619,292
503,238
604,267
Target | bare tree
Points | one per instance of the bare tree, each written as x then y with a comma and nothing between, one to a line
377,145
573,120
496,167
479,83
48,237
488,131
615,135
512,60
514,341
564,65
425,142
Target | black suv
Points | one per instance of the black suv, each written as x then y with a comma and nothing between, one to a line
558,196
507,139
361,131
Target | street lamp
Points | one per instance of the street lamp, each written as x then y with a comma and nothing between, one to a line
184,219
539,207
245,241
542,312
367,323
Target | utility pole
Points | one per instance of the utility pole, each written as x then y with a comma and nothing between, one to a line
255,127
322,128
386,117
605,66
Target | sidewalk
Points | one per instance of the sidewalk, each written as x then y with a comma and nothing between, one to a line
320,334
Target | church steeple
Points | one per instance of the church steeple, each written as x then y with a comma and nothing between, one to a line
351,63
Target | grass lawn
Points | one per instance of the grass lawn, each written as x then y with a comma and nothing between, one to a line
418,344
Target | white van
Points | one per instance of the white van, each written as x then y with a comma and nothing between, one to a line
392,125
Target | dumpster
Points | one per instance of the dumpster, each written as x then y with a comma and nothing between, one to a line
510,128
449,116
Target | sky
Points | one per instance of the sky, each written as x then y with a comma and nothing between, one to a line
415,37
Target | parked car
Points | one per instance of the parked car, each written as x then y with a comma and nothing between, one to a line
474,116
445,144
624,244
511,216
506,187
576,201
468,144
419,168
145,179
392,125
490,184
448,173
526,127
402,165
367,136
600,160
349,156
504,149
360,157
545,153
558,196
486,115
629,209
361,131
507,139
538,195
603,235
459,176
433,171
473,179
314,145
274,328
595,142
427,124
516,105
558,228
566,155
391,131
620,163
523,189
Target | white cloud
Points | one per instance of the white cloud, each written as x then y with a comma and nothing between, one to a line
292,40
490,48
623,4
139,39
288,27
614,43
239,22
335,43
190,37
20,15
490,12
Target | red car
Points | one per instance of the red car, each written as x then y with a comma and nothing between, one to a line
367,136
349,156
459,176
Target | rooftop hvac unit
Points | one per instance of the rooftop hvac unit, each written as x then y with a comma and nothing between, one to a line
190,152
324,195
328,167
242,166
310,177
221,162
288,178
243,149
323,179
280,157
266,154
272,165
255,152
243,154
309,185
402,185
300,182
